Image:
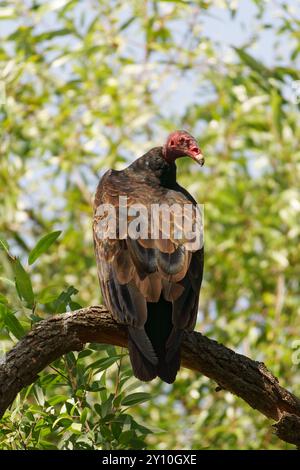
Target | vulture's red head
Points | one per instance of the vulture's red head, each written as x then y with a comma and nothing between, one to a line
182,144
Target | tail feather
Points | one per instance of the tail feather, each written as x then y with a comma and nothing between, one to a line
142,342
164,338
173,344
167,370
155,349
142,368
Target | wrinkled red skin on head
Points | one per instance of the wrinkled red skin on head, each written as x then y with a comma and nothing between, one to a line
180,144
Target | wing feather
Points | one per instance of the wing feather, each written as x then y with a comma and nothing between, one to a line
133,272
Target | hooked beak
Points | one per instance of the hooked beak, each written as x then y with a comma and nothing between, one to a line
197,155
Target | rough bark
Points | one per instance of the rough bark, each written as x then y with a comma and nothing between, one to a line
248,379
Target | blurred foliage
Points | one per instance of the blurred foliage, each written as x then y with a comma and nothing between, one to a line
91,85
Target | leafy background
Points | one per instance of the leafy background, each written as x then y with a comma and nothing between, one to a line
91,85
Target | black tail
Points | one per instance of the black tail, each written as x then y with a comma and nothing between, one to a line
161,355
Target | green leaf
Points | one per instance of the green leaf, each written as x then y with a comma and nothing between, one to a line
104,363
70,360
126,437
35,318
47,35
98,409
48,294
84,353
63,299
76,428
106,407
74,306
63,421
281,72
116,430
83,415
276,103
57,399
127,23
23,282
11,322
3,244
95,387
3,300
102,381
42,246
135,398
254,64
39,395
14,326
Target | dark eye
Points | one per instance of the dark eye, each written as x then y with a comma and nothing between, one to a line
172,142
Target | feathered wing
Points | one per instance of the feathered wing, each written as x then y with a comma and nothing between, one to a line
151,285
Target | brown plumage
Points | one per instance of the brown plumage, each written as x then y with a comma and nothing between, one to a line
150,284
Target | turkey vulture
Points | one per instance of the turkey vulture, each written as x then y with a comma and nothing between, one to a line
150,283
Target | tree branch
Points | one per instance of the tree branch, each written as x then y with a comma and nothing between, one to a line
248,379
